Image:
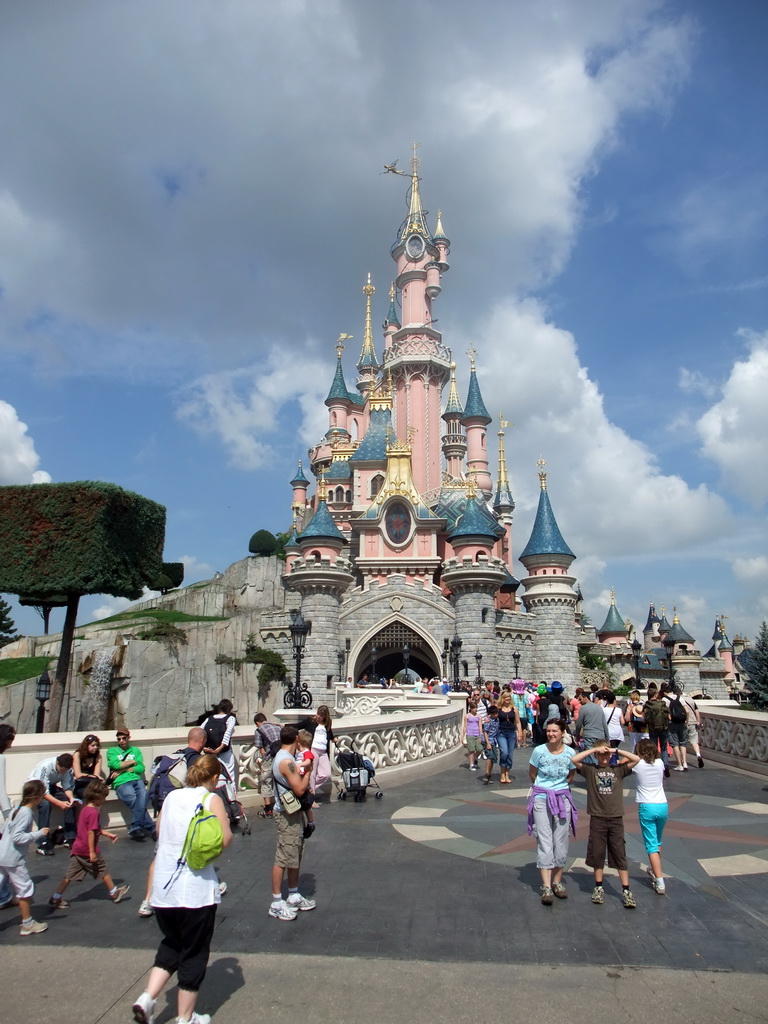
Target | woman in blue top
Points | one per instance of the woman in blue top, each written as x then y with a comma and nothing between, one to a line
551,811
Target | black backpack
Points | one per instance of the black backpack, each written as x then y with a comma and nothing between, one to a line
169,772
677,710
215,728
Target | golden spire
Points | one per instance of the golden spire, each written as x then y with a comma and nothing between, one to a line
453,405
368,355
322,493
392,292
472,352
502,479
471,493
416,219
340,344
675,620
439,233
613,596
542,475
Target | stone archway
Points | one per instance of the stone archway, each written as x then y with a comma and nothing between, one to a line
389,642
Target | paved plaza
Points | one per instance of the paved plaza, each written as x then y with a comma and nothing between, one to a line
428,904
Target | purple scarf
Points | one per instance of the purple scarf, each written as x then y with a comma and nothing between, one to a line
559,804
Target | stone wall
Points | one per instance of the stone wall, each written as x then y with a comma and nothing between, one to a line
734,737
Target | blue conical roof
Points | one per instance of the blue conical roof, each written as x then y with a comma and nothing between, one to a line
718,634
476,521
652,620
678,635
474,407
373,447
503,497
293,539
321,525
339,470
299,479
725,644
546,538
613,622
338,390
664,626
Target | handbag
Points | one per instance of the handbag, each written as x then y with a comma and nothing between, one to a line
289,801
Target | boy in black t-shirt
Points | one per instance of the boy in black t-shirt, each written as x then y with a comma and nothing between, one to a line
605,805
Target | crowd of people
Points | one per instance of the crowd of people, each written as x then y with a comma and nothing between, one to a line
583,734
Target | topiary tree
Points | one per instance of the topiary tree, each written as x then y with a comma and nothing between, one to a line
175,573
263,543
7,629
74,539
44,608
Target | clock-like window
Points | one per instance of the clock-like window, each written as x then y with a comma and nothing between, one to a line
415,246
397,522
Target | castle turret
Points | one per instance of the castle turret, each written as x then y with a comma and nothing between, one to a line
614,629
550,594
299,485
454,441
321,575
651,630
474,576
475,421
503,502
367,364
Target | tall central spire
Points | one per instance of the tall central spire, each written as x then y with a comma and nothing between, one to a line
417,220
367,364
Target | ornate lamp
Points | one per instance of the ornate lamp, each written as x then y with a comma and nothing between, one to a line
298,695
516,659
669,645
456,645
374,653
636,648
478,659
42,693
406,659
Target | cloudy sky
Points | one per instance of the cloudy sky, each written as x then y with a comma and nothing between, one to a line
191,200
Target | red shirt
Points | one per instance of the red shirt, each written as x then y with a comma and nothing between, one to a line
89,821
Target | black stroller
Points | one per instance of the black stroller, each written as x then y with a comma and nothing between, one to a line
357,774
237,817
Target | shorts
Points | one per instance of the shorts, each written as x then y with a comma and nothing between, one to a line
677,734
474,746
491,753
19,880
290,839
653,818
266,780
79,867
692,734
606,834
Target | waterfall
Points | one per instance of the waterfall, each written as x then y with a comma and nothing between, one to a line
95,706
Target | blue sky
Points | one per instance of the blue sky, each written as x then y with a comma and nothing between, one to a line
190,203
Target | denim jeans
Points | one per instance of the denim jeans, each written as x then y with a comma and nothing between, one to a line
6,893
134,796
507,742
44,817
660,737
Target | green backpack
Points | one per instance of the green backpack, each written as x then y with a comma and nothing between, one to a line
205,839
656,715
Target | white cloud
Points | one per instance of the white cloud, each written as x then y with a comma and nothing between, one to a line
750,570
241,408
194,569
695,382
609,495
113,605
18,458
734,430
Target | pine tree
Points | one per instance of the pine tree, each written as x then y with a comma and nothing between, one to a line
758,668
7,629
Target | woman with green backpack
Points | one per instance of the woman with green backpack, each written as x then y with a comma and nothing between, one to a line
193,829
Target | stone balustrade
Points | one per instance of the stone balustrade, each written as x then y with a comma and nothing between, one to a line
734,737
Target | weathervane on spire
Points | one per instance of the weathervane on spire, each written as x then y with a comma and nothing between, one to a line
340,343
472,352
503,424
542,475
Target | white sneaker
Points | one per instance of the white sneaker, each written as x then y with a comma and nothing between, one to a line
146,909
282,911
298,902
678,768
222,888
33,927
144,1009
659,886
196,1018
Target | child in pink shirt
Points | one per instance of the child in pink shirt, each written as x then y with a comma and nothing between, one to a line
305,760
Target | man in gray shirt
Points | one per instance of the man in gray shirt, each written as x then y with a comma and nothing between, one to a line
591,725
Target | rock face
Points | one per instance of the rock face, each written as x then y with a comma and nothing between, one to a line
159,684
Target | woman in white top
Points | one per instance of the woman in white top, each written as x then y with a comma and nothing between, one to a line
184,900
322,740
221,725
7,736
648,769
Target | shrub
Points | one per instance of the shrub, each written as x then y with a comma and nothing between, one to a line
262,544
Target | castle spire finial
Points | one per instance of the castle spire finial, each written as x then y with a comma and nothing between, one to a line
367,359
542,475
502,477
417,220
322,492
472,352
340,344
613,596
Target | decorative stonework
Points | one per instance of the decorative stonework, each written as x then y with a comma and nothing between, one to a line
365,702
734,737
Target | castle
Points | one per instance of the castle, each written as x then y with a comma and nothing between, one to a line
405,550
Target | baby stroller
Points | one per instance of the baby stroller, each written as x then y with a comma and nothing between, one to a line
357,774
237,817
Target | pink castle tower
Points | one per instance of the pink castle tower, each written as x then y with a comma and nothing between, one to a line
415,357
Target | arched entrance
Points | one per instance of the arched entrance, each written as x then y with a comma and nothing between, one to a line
390,648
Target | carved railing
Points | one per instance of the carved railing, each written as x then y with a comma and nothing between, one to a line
734,737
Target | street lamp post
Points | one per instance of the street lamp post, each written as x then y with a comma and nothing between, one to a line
406,659
636,648
516,659
374,652
42,693
478,659
669,645
445,655
298,695
340,657
456,646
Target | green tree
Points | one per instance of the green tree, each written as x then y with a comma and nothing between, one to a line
758,668
263,543
74,539
7,629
